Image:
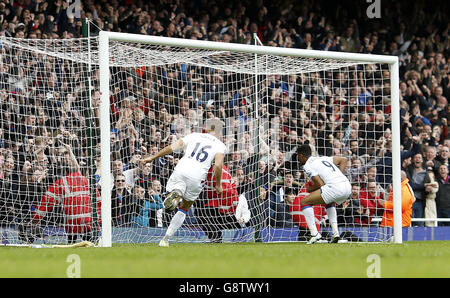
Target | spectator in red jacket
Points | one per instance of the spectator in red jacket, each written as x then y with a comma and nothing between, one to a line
369,201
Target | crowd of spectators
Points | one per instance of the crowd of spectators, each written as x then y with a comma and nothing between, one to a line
338,112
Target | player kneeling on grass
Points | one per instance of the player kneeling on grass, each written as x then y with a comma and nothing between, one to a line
228,210
201,150
331,187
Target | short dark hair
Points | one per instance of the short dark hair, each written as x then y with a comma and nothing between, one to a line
304,150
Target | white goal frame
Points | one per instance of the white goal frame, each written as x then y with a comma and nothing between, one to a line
104,39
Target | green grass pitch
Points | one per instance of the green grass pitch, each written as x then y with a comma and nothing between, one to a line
249,260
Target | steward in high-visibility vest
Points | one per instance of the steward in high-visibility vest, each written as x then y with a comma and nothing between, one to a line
72,193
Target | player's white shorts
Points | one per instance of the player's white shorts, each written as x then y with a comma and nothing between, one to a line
336,193
185,186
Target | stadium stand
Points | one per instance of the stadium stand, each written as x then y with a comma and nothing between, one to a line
415,31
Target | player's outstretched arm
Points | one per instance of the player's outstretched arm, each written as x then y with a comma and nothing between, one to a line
165,151
341,162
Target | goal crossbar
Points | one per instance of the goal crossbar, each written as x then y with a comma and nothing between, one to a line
253,49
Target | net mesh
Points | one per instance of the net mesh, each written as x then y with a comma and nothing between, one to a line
50,180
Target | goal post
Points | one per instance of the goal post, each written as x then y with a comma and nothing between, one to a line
105,148
396,159
104,48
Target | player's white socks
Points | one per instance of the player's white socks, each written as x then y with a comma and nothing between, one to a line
308,212
175,223
332,218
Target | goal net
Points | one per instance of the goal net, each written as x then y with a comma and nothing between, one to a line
56,148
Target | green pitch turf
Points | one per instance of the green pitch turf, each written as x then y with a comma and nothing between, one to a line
249,260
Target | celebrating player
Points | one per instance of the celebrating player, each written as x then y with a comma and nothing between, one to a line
330,186
185,183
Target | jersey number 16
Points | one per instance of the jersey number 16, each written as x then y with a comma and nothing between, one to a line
202,155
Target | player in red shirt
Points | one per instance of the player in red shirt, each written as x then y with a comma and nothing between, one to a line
221,211
226,203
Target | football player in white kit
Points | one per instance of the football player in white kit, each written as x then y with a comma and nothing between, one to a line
330,186
201,150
